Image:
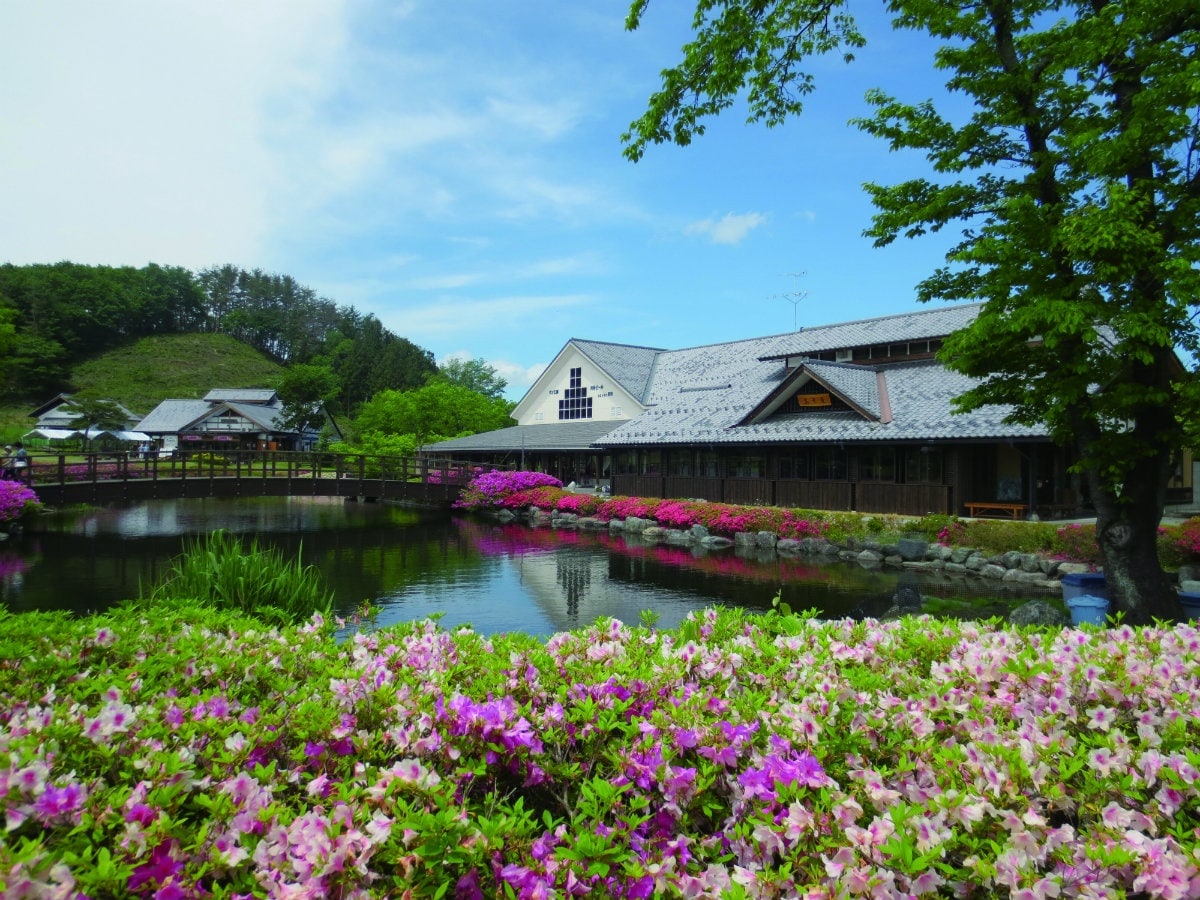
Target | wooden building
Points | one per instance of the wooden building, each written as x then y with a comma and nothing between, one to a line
850,416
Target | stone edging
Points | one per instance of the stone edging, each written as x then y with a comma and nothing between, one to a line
1027,569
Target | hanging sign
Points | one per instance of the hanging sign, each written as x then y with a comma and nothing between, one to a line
814,400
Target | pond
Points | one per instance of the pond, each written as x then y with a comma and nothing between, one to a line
414,563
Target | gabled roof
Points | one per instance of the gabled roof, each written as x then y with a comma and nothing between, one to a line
172,416
260,396
919,394
627,365
859,387
62,403
55,401
267,417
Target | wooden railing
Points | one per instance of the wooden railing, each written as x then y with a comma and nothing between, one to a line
60,478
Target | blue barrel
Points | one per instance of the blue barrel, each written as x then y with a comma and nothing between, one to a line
1088,610
1090,583
1191,605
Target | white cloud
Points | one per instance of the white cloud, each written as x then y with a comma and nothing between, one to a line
520,378
732,228
140,131
453,316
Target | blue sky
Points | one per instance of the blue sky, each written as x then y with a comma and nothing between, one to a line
453,168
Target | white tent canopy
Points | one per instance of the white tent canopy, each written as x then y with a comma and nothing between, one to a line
62,434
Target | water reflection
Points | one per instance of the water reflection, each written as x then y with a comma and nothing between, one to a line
414,564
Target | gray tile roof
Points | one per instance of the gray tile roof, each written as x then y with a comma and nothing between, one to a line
628,366
172,416
921,324
920,396
699,395
240,395
266,416
565,436
857,384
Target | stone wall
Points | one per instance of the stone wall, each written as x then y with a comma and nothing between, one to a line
1027,569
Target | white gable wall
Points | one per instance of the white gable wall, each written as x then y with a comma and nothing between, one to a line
610,402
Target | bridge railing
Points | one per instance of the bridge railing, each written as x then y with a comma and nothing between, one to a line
75,468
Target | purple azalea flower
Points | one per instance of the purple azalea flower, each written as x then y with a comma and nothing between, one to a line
161,867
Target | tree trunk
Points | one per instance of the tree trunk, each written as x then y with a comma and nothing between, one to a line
1127,535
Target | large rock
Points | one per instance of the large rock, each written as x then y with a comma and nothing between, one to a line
699,532
1030,563
1039,612
912,549
715,542
766,540
869,557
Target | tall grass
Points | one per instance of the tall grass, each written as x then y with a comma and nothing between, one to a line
219,571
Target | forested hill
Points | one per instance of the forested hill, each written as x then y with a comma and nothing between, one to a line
54,316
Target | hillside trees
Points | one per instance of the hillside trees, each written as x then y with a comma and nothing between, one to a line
64,313
1074,179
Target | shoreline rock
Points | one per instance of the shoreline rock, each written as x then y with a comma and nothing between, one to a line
915,554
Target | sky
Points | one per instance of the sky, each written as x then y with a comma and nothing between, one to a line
454,169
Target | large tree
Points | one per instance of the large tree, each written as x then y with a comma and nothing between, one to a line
438,411
305,390
1074,180
474,375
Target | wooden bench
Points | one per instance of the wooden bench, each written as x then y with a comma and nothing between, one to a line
1000,507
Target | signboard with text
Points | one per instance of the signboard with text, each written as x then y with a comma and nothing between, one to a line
808,400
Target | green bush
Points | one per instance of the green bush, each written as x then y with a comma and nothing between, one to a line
219,572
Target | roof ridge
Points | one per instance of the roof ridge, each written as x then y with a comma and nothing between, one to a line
618,344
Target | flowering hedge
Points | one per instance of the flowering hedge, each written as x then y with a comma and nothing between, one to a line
488,489
16,500
522,490
1177,544
196,755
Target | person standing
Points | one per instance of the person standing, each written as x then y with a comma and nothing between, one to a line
6,471
20,463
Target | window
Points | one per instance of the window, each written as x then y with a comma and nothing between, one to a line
708,463
829,464
923,465
745,466
679,462
877,464
793,466
575,403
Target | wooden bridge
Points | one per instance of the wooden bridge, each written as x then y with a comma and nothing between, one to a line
61,480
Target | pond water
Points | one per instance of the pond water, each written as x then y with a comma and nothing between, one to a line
414,563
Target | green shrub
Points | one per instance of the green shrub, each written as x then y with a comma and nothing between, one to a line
219,572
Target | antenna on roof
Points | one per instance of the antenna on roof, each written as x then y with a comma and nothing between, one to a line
794,298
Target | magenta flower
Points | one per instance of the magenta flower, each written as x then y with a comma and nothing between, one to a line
161,868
